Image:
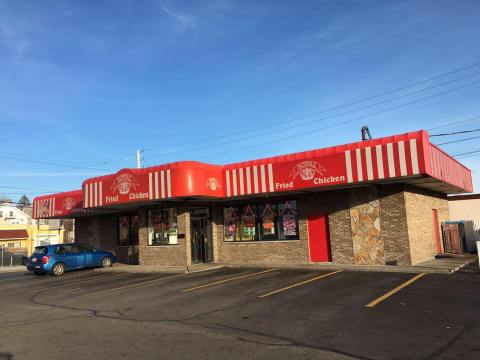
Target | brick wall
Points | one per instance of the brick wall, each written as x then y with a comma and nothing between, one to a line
100,231
419,205
393,222
334,203
168,255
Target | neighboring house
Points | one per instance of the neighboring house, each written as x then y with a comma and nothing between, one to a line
14,238
466,208
20,233
10,214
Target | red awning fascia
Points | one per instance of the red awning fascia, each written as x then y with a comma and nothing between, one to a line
58,205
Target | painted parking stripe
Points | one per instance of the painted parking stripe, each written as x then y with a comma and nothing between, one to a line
80,282
136,284
299,284
227,280
394,291
47,281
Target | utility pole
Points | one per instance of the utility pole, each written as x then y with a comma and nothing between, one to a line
139,158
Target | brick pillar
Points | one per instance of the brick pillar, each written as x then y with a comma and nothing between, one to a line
393,221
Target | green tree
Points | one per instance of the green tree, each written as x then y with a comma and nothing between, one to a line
23,201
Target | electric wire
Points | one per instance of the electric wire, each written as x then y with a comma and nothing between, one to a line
342,122
459,140
269,132
321,111
456,133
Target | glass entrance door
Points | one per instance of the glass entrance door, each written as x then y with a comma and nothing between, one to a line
201,242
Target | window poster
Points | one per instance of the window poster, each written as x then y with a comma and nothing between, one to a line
268,225
289,225
268,220
231,228
249,225
248,222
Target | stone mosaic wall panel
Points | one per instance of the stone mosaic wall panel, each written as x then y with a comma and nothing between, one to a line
368,247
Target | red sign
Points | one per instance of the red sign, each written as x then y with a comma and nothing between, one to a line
326,171
58,205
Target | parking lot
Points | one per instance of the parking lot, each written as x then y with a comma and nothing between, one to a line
241,313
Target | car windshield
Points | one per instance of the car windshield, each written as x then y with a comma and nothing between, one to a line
41,250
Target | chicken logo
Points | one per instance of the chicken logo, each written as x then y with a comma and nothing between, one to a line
68,203
213,184
123,183
44,209
307,170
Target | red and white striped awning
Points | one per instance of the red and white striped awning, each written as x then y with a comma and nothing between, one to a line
406,158
63,204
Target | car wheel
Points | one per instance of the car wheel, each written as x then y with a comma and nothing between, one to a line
106,262
58,269
39,273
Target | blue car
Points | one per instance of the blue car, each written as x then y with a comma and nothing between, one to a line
57,259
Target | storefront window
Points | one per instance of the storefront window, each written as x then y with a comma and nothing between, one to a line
261,221
128,230
162,226
232,224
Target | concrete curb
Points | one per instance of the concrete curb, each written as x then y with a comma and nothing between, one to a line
137,269
12,269
356,268
443,266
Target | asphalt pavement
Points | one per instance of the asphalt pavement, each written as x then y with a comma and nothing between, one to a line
240,313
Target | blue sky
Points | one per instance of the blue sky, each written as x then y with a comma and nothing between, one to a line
88,82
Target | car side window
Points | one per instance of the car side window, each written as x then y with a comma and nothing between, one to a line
83,248
69,249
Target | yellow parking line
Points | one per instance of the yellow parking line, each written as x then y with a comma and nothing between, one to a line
299,284
227,280
394,291
37,281
136,284
79,282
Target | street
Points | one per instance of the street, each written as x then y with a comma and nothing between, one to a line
239,313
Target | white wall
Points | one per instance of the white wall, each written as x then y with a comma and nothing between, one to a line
12,215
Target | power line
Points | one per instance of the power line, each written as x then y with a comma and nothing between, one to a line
455,133
454,123
321,111
474,153
313,121
17,158
466,153
460,140
21,188
344,122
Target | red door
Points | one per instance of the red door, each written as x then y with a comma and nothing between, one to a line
436,231
318,238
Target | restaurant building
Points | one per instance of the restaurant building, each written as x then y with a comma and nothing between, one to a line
373,202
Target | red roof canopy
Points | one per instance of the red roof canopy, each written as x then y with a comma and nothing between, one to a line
58,205
19,234
407,158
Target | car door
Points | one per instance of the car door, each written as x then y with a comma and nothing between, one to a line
68,256
88,255
79,256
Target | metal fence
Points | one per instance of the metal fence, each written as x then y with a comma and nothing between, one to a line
11,259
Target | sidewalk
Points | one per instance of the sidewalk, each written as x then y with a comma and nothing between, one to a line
12,268
161,269
447,265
